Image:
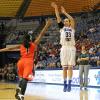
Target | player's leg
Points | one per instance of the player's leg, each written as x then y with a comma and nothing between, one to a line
70,74
20,74
65,78
20,91
28,65
63,55
71,63
23,89
18,94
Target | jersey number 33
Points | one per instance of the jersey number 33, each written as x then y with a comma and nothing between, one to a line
68,36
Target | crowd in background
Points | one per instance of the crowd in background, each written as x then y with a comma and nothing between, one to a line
48,55
8,72
48,51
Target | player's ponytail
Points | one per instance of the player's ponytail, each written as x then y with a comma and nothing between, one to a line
27,41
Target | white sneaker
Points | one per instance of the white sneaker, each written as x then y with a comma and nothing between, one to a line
20,97
18,90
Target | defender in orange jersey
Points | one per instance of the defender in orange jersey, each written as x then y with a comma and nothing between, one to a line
26,61
25,64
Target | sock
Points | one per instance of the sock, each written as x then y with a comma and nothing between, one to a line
69,85
69,81
65,85
65,81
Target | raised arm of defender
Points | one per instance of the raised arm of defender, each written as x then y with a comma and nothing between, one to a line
48,23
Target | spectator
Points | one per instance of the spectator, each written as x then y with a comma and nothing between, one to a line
94,58
83,61
10,73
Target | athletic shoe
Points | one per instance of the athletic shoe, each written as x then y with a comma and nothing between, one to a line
18,90
65,88
69,85
69,88
20,97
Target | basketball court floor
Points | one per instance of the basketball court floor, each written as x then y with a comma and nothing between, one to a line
40,91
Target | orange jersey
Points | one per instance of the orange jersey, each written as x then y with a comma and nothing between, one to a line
30,53
26,63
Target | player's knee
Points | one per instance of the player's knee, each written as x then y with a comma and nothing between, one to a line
69,68
65,68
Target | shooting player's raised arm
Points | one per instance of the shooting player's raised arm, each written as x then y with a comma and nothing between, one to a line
53,4
68,16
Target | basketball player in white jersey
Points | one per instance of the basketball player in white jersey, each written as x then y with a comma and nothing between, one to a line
68,50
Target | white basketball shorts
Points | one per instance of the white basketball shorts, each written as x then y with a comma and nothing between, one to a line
68,56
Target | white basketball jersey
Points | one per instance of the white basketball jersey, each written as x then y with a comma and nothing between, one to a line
67,36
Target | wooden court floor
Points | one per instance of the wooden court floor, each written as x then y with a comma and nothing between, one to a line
48,92
7,92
